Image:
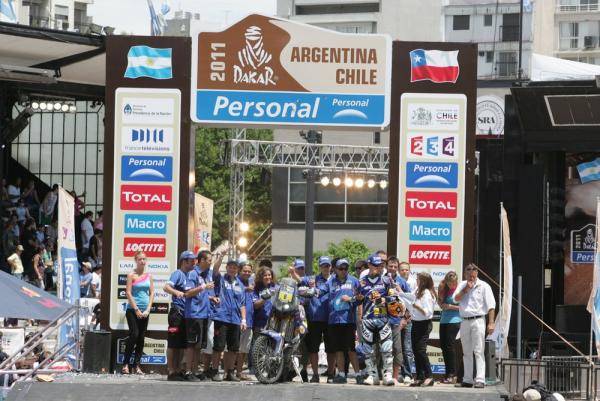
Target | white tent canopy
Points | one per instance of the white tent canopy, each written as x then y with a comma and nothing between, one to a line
545,68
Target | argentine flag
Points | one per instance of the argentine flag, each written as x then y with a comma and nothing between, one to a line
144,61
7,11
589,171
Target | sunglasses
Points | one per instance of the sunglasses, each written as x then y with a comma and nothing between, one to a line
342,268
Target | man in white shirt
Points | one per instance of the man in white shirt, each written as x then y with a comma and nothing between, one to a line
476,300
16,265
407,350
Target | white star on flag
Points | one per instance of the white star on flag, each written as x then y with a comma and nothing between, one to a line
417,58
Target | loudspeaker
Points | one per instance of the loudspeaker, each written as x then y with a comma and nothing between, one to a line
96,352
490,361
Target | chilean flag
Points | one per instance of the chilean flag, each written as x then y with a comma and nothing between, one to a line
434,65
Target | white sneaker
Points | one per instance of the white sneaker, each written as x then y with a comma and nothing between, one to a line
376,380
368,380
408,380
388,380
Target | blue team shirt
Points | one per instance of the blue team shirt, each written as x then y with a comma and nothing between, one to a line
317,309
249,303
196,307
232,293
404,287
178,281
342,312
209,276
368,288
262,315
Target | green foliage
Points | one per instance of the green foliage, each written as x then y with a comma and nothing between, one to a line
348,249
212,181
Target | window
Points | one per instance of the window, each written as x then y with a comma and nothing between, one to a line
337,204
487,20
376,138
337,8
510,27
506,66
461,22
356,27
489,57
569,35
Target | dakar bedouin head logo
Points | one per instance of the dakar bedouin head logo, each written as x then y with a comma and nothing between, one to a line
254,59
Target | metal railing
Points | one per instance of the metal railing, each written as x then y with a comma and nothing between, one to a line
576,8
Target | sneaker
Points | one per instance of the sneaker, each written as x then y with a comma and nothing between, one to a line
360,379
315,378
200,376
463,384
330,379
304,376
388,380
407,380
368,381
231,377
207,374
217,377
190,377
244,377
339,379
175,377
479,385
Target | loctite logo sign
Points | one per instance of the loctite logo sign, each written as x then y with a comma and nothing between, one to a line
152,247
429,254
146,197
431,204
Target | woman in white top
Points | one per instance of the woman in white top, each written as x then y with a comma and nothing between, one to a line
421,318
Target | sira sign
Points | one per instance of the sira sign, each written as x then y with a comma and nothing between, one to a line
265,71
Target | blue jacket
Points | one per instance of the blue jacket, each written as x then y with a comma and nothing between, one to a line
317,309
178,281
342,312
262,315
198,306
209,276
232,293
249,304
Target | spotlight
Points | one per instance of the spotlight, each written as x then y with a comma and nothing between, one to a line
43,106
72,109
243,257
337,181
359,183
243,242
57,106
383,184
349,182
325,181
244,227
371,183
35,105
65,108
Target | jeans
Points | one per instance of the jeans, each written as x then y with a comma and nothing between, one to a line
407,352
448,332
18,275
420,335
137,332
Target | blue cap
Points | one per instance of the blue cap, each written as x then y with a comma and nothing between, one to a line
375,260
324,260
342,262
298,264
186,255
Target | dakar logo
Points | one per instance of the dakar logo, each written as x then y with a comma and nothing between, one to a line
254,60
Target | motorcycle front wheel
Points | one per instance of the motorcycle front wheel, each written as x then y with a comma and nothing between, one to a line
267,364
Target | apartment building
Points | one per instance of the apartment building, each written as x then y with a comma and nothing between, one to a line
65,15
577,30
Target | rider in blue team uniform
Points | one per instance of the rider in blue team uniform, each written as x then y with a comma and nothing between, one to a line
375,329
397,322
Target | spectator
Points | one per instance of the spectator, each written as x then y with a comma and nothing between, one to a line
48,206
97,281
407,352
40,234
38,266
422,315
30,244
22,212
265,280
15,262
85,279
87,232
96,248
10,239
79,203
397,322
32,201
4,198
48,267
98,224
14,191
449,324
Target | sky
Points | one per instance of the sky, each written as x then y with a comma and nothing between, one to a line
132,16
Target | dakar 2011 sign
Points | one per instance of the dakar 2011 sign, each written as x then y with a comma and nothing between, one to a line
265,71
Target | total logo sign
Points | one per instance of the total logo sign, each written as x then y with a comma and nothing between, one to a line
146,197
152,247
147,168
429,254
432,146
431,204
431,175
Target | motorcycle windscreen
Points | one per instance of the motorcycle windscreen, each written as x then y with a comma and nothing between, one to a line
286,299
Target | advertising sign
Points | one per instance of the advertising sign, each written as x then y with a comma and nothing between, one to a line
490,116
146,179
583,243
203,217
266,71
155,351
430,219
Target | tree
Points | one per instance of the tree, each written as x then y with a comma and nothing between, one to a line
348,249
212,181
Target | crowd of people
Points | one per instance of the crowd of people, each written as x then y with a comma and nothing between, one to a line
29,237
376,318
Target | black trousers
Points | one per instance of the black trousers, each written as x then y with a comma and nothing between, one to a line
420,335
137,332
448,332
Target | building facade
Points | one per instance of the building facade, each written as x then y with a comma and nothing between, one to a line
63,15
577,30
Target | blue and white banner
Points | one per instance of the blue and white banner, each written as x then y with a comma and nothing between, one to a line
589,171
145,61
8,12
68,264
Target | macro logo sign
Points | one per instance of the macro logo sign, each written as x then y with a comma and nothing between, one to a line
146,197
145,224
429,254
431,204
430,230
421,146
147,140
147,168
431,175
271,72
152,247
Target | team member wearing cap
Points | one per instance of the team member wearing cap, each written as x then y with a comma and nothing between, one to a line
176,338
317,313
342,290
298,272
196,313
397,322
230,320
246,337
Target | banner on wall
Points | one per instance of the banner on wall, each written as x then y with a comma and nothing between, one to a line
203,217
68,283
